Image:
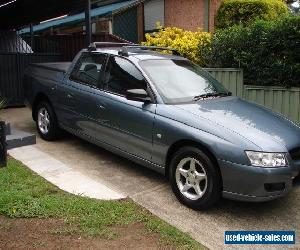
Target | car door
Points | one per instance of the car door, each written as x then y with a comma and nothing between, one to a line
131,122
81,94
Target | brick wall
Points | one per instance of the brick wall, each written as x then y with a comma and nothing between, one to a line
186,14
189,14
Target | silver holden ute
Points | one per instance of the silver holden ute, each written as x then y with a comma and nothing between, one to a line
166,113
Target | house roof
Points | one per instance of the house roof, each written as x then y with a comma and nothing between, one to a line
102,11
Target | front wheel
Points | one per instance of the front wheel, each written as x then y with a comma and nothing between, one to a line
194,178
46,122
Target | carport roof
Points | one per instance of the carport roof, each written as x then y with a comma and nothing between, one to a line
96,12
17,14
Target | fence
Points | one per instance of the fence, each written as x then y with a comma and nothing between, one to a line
282,100
47,49
66,45
231,78
12,66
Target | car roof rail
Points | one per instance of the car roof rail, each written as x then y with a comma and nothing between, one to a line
127,46
125,49
93,46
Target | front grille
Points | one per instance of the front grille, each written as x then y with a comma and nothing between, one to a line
295,154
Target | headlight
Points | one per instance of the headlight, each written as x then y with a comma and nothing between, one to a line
267,160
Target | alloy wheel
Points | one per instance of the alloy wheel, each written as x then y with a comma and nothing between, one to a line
43,120
191,178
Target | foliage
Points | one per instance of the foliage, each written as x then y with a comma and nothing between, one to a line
2,103
189,44
269,52
235,12
26,195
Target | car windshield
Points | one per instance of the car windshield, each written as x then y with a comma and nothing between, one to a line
180,81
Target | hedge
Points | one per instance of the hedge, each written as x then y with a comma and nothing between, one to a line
269,52
235,12
189,44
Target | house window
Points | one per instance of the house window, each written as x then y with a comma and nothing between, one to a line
153,13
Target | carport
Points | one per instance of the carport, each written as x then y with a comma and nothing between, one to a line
16,14
17,53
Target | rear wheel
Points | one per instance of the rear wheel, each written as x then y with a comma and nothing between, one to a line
46,122
194,178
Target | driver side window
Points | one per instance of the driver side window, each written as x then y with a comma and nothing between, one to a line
88,69
121,75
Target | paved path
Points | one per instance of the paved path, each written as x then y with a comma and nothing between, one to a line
63,176
152,191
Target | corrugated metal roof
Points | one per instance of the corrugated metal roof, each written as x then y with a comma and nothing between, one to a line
97,12
11,42
21,13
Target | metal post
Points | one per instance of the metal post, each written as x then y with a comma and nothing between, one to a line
206,15
31,36
88,23
3,150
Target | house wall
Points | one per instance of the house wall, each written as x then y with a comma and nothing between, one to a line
185,14
190,14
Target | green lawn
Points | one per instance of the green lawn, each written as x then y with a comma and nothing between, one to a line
24,194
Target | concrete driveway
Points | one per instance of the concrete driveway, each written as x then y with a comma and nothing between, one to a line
152,191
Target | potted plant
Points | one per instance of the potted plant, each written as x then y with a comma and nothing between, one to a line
3,151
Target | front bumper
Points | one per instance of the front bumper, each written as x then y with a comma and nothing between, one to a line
248,183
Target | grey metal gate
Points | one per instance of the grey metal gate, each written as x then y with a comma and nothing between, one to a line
12,66
125,25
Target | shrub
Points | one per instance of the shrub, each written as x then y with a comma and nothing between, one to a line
189,44
232,12
2,103
269,52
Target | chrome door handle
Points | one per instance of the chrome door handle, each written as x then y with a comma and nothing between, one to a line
69,96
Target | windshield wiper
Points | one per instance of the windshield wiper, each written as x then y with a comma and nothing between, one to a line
216,94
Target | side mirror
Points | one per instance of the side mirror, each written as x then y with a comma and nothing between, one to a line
139,95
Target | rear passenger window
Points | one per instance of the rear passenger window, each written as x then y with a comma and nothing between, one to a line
88,69
121,75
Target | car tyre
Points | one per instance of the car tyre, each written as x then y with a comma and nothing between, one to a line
195,178
46,122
